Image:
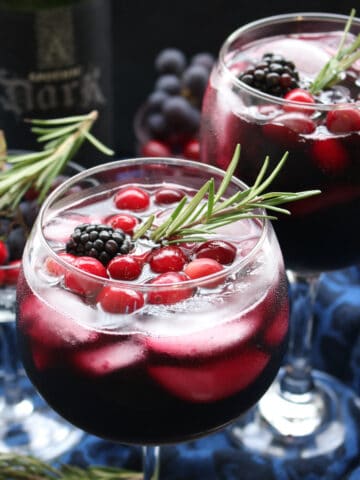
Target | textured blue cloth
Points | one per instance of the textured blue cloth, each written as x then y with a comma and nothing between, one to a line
336,351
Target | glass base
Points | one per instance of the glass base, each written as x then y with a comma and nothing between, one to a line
37,432
296,429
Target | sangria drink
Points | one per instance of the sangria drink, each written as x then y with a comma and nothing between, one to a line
261,94
147,343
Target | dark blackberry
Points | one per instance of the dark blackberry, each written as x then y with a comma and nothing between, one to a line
273,74
99,241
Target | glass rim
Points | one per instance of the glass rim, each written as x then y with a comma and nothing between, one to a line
278,19
144,286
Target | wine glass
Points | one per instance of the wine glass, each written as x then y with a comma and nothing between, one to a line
152,353
28,425
305,414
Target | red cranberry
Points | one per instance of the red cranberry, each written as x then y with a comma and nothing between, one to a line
125,222
343,120
54,268
167,196
124,267
120,300
12,273
78,283
192,150
154,148
4,253
168,296
330,155
202,267
301,96
219,250
132,198
167,259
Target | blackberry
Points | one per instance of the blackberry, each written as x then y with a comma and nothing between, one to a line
273,74
99,241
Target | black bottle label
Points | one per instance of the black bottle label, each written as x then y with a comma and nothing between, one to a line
55,62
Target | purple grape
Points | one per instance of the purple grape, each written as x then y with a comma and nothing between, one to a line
205,59
180,114
170,60
168,83
16,242
156,125
156,100
195,79
29,211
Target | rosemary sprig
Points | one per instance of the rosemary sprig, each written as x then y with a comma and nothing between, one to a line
331,72
208,210
18,467
61,139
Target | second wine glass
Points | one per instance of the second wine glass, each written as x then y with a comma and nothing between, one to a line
270,110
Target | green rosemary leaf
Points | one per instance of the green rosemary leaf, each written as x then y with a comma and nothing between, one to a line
144,227
330,73
185,214
159,231
61,138
99,145
56,133
194,220
18,467
63,120
211,198
229,173
26,157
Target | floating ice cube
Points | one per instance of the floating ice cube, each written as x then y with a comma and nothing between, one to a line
108,358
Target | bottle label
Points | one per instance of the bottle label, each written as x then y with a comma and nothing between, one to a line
62,67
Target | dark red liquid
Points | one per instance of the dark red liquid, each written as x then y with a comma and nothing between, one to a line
155,394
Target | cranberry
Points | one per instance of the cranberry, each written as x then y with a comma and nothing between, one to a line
219,250
343,120
2,276
168,296
192,150
202,267
125,222
4,253
301,96
330,155
296,121
78,283
167,195
54,268
12,272
124,267
154,148
120,300
167,259
132,198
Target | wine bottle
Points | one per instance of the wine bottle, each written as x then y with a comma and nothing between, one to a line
55,60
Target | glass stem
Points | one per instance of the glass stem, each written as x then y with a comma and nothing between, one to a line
298,378
151,462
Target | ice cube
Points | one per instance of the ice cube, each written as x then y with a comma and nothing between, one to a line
54,323
210,341
211,381
108,358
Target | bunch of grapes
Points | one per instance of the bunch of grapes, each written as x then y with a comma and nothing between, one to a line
168,123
